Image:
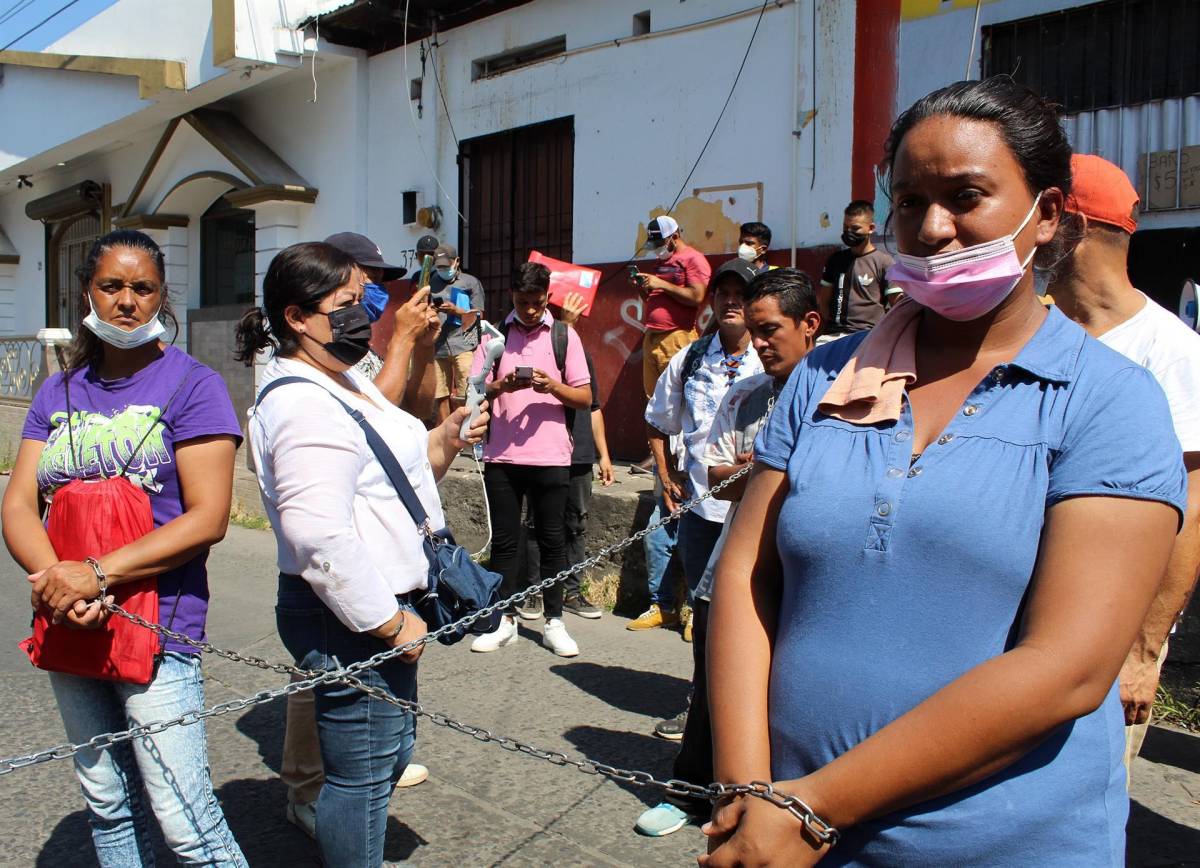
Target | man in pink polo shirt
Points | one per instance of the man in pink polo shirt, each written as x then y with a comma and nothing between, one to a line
528,452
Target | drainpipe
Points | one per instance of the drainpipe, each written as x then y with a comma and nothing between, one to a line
796,126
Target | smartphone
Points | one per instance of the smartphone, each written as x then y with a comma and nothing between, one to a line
426,271
524,372
634,274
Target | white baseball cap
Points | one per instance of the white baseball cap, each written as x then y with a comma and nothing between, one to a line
660,229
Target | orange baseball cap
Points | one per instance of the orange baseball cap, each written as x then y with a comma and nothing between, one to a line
1101,192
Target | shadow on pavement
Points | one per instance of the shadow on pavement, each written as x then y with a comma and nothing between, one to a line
650,693
254,810
1153,841
627,750
1168,747
73,836
264,725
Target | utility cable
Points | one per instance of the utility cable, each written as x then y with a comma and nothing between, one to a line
438,81
732,89
44,21
974,31
316,48
15,10
416,130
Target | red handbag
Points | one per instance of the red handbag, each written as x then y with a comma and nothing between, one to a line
90,518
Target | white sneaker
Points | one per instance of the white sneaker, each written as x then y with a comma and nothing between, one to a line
503,635
556,638
303,815
414,773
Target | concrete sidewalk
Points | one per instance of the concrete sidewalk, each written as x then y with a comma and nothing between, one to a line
482,805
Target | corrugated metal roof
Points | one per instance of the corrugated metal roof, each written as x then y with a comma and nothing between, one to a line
1156,143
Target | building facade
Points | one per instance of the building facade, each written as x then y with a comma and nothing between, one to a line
1127,76
228,130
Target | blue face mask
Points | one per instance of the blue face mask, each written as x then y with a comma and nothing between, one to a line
374,299
447,274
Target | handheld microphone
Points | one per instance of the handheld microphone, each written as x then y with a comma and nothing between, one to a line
477,385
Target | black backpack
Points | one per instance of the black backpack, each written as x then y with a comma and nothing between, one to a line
558,340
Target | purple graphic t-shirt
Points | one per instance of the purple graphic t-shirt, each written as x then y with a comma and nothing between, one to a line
110,419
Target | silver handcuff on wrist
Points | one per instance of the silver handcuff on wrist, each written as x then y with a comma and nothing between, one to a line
101,578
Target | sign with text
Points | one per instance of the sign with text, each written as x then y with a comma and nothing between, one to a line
1161,167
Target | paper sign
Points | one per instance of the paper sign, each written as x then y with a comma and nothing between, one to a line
566,277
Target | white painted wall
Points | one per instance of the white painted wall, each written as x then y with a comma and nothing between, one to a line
119,168
642,111
159,29
934,49
930,45
92,110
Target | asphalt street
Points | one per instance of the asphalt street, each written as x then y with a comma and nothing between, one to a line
482,805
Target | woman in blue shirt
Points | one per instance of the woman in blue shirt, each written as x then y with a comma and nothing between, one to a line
924,645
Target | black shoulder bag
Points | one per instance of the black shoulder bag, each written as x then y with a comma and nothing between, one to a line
457,587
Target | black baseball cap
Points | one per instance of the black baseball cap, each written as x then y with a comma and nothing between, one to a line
660,229
365,252
426,244
737,266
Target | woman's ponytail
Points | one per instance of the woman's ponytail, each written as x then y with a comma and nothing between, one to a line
253,335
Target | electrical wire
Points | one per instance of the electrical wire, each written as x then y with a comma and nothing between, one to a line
417,131
44,21
316,48
720,115
487,509
15,10
974,31
438,81
812,184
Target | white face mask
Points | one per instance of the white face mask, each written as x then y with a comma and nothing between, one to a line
747,252
120,338
663,252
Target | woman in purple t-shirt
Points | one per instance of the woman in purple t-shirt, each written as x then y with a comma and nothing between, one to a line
141,408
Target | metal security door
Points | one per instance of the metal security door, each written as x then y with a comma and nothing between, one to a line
69,247
517,194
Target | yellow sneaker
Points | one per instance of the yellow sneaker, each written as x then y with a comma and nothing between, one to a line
653,617
687,628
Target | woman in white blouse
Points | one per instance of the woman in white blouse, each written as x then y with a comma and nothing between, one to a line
349,554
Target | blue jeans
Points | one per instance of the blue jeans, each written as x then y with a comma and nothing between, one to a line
366,743
661,568
697,539
172,766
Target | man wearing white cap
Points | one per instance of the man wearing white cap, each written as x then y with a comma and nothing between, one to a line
672,294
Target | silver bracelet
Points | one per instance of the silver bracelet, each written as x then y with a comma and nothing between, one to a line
101,578
399,628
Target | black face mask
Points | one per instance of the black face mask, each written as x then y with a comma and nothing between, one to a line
853,239
351,334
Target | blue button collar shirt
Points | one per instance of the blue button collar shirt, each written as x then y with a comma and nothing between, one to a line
687,409
900,575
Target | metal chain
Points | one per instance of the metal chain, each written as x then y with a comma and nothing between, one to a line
310,679
817,827
206,647
520,597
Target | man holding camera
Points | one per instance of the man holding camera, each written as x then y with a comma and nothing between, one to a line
456,295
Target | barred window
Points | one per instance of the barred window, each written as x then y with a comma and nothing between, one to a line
1103,55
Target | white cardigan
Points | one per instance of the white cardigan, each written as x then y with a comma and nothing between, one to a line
338,521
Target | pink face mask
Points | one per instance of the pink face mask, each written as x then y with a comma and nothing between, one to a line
964,284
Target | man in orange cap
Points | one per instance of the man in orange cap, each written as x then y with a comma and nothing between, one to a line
1092,287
